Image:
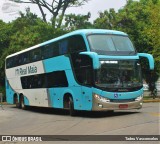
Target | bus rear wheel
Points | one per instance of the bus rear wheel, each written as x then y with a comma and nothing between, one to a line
16,101
22,104
71,107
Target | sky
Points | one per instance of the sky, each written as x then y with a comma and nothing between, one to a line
10,10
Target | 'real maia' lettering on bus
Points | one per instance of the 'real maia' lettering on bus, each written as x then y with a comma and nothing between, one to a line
25,71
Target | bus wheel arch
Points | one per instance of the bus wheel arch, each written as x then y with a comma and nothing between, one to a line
69,103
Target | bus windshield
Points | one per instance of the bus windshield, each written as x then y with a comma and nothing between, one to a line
119,75
106,44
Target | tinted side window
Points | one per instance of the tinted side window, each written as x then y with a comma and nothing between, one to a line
25,58
9,62
73,44
50,50
57,79
47,51
82,66
33,81
16,60
63,46
35,55
77,44
48,80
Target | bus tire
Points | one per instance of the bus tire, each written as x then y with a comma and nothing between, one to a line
110,111
22,104
71,107
18,105
16,101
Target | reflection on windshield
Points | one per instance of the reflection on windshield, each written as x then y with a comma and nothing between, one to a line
110,43
119,74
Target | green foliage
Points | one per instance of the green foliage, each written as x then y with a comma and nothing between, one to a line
24,32
5,32
106,20
73,22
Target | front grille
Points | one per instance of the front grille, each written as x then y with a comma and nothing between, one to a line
121,100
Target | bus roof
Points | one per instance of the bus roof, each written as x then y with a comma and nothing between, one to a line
81,32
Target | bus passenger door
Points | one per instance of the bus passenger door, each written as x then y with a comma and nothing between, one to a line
57,98
54,97
86,77
83,68
86,98
86,80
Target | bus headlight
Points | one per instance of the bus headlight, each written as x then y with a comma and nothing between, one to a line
139,98
102,99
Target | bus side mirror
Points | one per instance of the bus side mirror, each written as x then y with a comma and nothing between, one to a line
150,59
95,59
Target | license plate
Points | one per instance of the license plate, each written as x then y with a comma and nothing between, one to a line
123,106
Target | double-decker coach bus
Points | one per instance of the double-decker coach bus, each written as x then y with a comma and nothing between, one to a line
90,69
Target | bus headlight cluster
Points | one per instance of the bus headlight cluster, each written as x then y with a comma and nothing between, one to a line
139,98
102,99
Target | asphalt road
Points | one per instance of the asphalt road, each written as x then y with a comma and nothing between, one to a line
44,121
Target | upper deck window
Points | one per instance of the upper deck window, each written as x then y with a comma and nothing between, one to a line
72,44
107,44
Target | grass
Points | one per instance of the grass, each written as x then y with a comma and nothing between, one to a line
147,97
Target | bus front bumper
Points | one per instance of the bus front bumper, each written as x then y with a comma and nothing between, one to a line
99,105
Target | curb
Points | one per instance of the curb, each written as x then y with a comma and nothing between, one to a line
151,100
4,103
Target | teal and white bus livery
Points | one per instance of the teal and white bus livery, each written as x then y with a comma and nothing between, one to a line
90,69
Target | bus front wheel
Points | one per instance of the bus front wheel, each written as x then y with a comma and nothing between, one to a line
71,107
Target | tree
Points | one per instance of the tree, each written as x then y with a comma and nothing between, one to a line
5,32
57,8
5,35
106,20
25,31
73,22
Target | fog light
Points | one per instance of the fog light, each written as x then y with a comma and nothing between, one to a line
100,105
